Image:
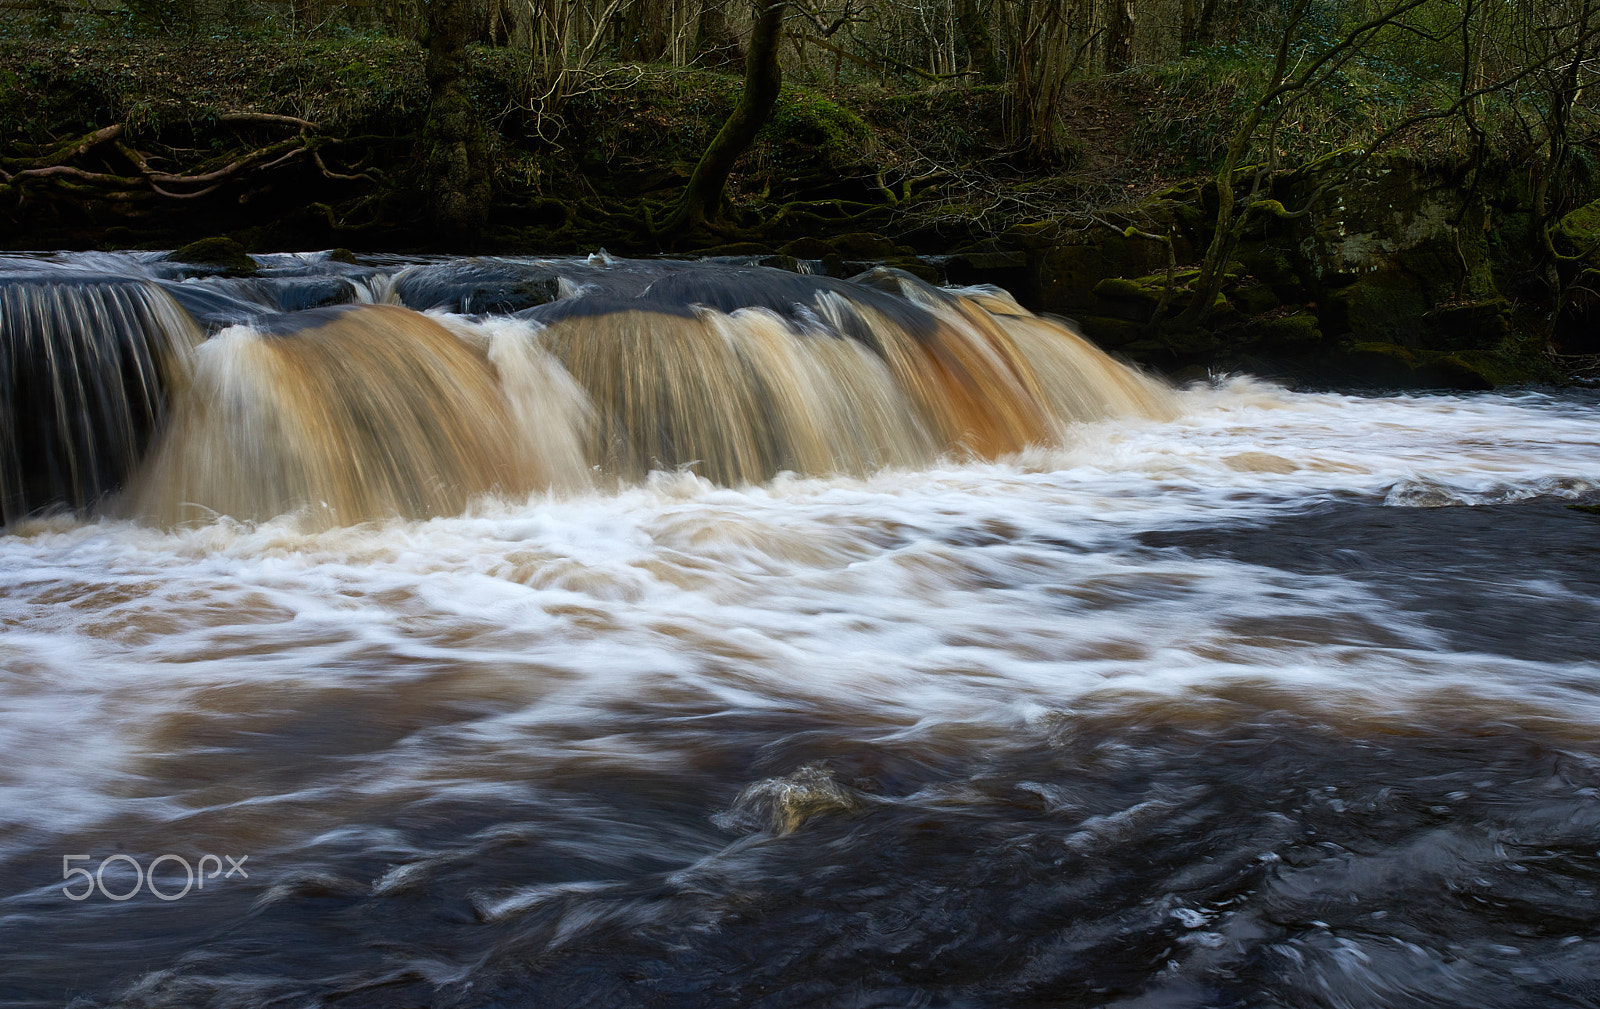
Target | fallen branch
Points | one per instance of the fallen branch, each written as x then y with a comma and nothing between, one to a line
265,117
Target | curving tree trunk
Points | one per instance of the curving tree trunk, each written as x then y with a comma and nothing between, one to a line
700,205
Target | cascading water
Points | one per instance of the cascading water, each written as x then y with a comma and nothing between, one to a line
559,633
363,411
85,364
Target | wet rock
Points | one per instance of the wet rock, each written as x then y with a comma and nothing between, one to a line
1393,366
807,248
478,287
1471,324
736,249
1070,270
1007,268
866,245
917,267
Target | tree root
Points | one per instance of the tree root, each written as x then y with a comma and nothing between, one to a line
99,178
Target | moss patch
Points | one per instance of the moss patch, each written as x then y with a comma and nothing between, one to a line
224,253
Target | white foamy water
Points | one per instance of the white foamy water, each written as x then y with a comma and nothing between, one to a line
250,687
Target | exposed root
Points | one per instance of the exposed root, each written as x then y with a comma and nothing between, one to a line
96,175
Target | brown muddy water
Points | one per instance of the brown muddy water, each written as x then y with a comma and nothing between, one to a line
691,635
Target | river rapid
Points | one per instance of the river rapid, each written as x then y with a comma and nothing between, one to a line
1274,700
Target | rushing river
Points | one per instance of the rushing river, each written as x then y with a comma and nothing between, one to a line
1255,699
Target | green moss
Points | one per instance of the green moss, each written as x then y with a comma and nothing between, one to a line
1127,289
1255,299
1289,332
864,245
219,252
1454,372
1579,233
808,124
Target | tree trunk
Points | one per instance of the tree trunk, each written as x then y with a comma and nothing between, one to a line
456,146
701,202
1119,40
980,45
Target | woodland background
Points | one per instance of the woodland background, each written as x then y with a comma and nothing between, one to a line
1398,190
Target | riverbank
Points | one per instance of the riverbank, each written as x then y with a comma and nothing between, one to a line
1419,269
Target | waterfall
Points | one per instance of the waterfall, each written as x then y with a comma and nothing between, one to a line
86,364
604,369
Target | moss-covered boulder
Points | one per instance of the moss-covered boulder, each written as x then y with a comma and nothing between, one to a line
1120,335
1291,333
808,247
220,255
1388,245
867,245
808,128
1392,366
1578,233
1469,325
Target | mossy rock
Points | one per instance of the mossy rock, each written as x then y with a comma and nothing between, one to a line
866,245
1509,364
1382,364
1272,265
1579,232
1069,271
989,262
1132,289
808,247
1449,371
1111,333
225,254
1034,236
805,125
1287,333
1387,364
1136,297
1382,309
1478,325
1255,299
